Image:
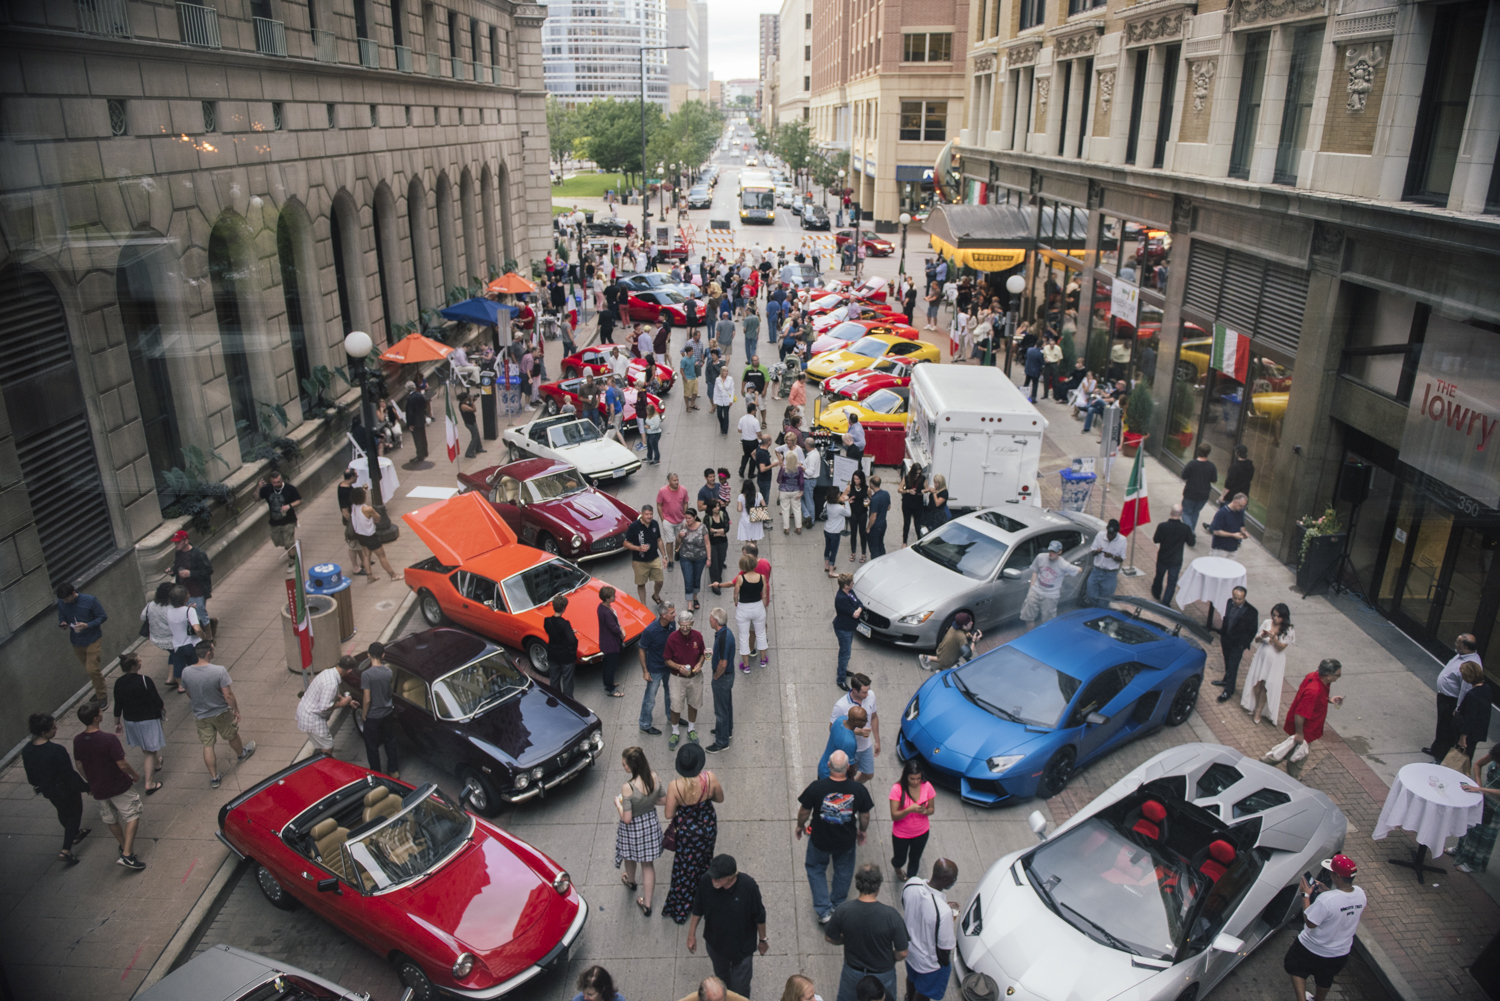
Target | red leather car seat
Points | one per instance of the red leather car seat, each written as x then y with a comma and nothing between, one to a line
1221,856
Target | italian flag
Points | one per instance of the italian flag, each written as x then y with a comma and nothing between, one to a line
450,425
297,605
1137,509
1231,353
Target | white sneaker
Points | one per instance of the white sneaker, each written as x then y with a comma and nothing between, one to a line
1461,867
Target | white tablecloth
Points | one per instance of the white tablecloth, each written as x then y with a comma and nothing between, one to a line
389,482
1428,800
1210,579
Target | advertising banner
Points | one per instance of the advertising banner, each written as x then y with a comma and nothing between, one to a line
1455,410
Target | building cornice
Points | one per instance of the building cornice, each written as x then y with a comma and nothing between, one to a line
1076,38
1157,20
1253,13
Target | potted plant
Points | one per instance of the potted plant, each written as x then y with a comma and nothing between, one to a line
1139,406
1322,543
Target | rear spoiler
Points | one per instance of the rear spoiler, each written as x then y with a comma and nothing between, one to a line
1180,621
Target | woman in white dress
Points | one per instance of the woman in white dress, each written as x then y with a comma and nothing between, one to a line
1263,683
749,531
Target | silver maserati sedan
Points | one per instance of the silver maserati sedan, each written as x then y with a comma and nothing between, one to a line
978,563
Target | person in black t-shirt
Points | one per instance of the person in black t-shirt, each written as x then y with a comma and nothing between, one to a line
1241,472
562,647
1171,535
840,812
873,935
730,902
1198,478
643,539
282,498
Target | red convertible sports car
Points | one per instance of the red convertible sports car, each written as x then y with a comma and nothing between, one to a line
458,906
481,577
549,505
874,245
871,289
555,394
887,373
649,307
596,360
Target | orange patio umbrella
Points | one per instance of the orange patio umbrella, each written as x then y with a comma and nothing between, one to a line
414,348
510,283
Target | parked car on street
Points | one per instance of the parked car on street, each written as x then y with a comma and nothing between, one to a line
596,360
874,246
570,439
224,973
456,904
863,353
1116,904
649,307
552,506
887,373
700,196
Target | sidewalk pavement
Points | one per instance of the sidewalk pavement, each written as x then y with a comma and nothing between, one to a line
97,930
1420,937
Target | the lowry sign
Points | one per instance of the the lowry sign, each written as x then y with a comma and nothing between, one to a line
1454,415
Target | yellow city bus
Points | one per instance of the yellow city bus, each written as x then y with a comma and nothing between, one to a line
757,197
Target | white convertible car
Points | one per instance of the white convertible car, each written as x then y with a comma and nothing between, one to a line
574,440
1156,889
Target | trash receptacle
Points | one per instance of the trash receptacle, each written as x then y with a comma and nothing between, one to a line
324,613
1076,488
328,579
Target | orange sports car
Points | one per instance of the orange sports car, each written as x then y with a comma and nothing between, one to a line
480,576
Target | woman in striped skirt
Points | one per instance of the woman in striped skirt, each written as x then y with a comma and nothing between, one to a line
638,838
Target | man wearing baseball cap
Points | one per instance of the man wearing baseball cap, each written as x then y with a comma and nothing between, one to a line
1330,917
193,569
1047,573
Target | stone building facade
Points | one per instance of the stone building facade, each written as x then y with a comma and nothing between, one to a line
197,203
1310,184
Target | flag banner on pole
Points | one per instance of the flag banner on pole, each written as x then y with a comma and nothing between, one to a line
1137,509
297,595
1231,353
450,425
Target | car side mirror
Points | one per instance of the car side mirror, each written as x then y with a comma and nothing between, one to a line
463,798
1011,573
1096,719
1224,942
1038,824
329,886
490,604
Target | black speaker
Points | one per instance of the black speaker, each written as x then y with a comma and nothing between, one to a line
1354,482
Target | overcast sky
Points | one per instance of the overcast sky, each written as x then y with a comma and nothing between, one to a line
734,36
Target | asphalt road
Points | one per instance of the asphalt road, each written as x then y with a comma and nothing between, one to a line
782,719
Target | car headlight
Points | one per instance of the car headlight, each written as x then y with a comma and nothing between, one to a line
463,965
916,618
597,740
973,921
1003,763
577,541
522,780
536,774
913,707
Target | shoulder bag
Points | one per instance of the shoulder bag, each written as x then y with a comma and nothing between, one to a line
760,513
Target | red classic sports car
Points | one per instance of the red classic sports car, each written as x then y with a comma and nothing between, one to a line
874,245
555,394
456,904
649,307
551,506
596,360
858,312
481,577
870,289
887,373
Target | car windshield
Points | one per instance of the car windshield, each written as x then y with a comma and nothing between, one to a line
424,833
826,302
540,584
1131,896
1017,687
572,433
556,485
870,348
477,686
666,295
963,549
848,331
883,401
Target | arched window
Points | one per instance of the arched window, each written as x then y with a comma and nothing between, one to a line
487,217
343,232
44,401
507,238
291,293
472,267
386,256
230,283
446,245
144,340
421,243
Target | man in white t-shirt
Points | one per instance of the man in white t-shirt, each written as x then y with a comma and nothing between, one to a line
749,426
1331,919
1047,574
929,930
866,739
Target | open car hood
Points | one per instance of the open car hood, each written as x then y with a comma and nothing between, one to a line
460,528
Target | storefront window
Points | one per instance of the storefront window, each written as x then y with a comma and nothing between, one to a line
1148,340
1369,529
1109,245
1097,355
1189,382
1270,388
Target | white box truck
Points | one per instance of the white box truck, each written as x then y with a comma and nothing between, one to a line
971,424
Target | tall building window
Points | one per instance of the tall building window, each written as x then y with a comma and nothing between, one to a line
1033,12
453,34
1137,103
398,28
1171,56
807,53
1067,87
1083,120
1078,6
361,20
807,83
807,21
927,47
1302,80
924,121
1457,31
1247,117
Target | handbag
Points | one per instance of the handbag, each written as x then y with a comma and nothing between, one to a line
1458,761
145,632
669,837
1279,753
760,513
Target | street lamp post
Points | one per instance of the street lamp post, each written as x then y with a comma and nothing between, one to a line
1015,285
357,345
905,222
645,202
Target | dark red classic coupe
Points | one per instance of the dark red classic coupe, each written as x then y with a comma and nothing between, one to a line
549,505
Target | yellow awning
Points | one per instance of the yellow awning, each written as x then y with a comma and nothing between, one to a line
979,260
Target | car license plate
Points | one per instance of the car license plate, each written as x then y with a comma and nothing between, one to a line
862,629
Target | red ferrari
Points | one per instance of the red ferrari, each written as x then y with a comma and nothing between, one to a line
481,577
551,506
887,373
870,289
457,905
596,360
649,307
555,394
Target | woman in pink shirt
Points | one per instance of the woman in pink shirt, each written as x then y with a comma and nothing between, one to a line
912,803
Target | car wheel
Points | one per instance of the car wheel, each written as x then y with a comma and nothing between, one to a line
547,544
1057,773
357,714
536,652
570,372
415,980
431,610
480,792
274,891
514,454
1189,994
550,408
1183,701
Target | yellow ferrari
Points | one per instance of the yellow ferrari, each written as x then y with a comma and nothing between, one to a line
884,406
864,352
